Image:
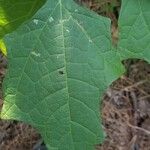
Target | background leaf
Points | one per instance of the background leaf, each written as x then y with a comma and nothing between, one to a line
15,12
134,27
3,47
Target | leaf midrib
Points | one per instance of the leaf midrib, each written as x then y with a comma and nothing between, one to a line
66,75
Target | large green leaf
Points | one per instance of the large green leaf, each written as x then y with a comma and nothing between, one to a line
58,69
60,63
14,12
134,27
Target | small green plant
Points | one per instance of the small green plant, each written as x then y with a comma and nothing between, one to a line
61,61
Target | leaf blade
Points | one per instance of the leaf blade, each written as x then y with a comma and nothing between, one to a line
134,29
55,81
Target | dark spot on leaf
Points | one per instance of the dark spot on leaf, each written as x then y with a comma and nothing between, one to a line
61,72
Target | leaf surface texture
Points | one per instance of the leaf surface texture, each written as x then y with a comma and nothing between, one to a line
60,63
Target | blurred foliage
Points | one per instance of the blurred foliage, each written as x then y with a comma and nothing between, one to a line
3,47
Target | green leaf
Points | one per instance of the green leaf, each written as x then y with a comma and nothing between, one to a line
134,27
15,12
61,61
3,47
59,67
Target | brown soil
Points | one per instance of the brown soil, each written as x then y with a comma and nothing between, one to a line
126,113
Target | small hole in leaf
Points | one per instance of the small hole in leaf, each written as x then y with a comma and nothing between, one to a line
61,72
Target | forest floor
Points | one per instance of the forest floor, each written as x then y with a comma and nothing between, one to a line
125,107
